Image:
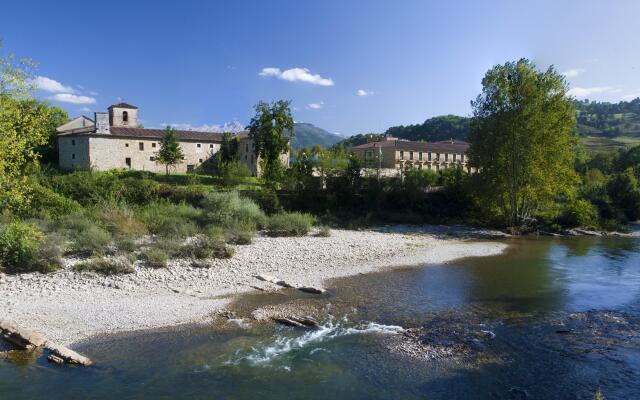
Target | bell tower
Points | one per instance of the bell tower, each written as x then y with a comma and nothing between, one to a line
123,114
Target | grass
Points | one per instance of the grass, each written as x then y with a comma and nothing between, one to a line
115,266
323,231
203,247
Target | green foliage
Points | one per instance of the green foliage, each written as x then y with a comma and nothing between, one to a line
625,193
170,220
170,153
234,173
120,220
323,231
608,119
521,140
202,247
85,235
24,248
104,266
155,258
434,129
268,129
138,191
229,148
359,139
289,224
48,204
86,187
579,213
228,208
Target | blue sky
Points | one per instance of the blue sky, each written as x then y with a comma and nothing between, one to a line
348,66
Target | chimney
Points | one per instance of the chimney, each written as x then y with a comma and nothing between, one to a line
102,122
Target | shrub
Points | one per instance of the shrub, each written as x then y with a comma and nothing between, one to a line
234,173
139,191
87,187
228,208
155,258
170,220
182,194
323,231
289,224
24,248
266,199
206,247
240,233
126,244
201,264
86,236
120,220
48,204
114,266
169,246
579,213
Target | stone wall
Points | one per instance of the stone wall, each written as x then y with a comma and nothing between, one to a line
73,152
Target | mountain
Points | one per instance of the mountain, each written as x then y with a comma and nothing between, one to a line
433,129
306,135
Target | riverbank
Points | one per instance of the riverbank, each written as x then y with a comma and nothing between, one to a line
68,306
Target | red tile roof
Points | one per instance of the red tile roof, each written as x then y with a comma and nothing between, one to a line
143,133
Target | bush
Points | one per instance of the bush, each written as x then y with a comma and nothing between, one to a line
85,235
323,231
234,173
289,224
155,258
228,208
126,244
48,204
24,248
139,191
267,200
120,220
180,194
169,246
170,220
201,264
115,266
579,213
240,233
87,187
206,247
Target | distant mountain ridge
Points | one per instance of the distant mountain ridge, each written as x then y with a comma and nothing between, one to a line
307,135
601,125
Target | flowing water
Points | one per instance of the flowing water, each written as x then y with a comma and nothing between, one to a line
551,318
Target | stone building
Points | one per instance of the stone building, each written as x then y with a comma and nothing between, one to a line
391,153
114,140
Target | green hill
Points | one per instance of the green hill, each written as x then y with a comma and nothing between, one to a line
306,135
601,126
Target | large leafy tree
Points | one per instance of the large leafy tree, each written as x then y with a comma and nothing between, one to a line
170,153
229,148
24,125
268,129
521,139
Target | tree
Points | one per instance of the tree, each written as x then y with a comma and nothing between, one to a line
625,193
170,153
22,129
521,139
267,130
229,148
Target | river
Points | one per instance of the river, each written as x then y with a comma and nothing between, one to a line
550,318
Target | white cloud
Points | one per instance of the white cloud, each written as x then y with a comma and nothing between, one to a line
296,75
51,85
85,109
362,92
572,73
234,126
73,99
315,106
584,92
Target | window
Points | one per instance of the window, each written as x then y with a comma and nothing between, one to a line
141,146
429,157
253,145
73,142
446,157
198,145
454,157
125,117
462,157
183,157
153,145
420,156
190,168
437,156
246,147
73,156
211,146
245,157
200,160
152,158
252,159
128,162
126,145
402,154
368,155
411,156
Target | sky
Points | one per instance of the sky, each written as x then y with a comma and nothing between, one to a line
347,66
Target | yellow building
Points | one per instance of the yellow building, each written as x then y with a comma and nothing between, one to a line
394,153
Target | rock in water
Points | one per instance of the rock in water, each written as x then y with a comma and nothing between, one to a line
69,356
309,289
19,337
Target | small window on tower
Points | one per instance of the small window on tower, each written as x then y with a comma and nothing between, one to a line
199,145
73,142
73,156
126,145
211,146
125,117
153,145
